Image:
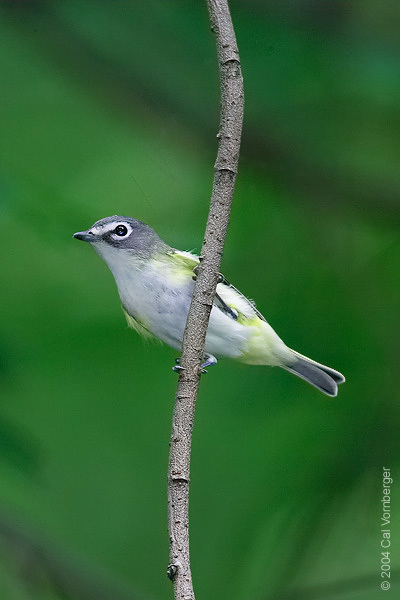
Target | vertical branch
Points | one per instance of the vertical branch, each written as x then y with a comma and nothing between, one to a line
229,136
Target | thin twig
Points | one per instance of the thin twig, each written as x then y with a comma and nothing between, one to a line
232,100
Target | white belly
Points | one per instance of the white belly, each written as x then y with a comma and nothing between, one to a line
161,305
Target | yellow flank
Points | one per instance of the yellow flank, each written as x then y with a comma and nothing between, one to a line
264,346
184,259
139,327
179,264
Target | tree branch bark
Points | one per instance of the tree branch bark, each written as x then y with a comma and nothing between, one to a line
229,136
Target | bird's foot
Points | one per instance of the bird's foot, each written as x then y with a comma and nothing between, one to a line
210,361
177,367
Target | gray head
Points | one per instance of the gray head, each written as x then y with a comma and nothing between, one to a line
116,233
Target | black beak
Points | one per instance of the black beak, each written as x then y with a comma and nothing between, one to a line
85,236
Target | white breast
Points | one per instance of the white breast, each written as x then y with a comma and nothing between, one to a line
158,295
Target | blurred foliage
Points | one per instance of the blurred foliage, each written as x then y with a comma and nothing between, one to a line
112,108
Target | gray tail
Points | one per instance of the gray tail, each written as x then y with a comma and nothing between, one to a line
323,378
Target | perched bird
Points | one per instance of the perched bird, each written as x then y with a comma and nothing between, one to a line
155,283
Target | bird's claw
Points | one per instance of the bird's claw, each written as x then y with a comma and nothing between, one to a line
210,360
177,367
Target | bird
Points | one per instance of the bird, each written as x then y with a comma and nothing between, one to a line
155,283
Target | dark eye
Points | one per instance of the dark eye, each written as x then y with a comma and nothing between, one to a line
121,230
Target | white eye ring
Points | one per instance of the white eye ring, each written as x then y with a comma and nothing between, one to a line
121,231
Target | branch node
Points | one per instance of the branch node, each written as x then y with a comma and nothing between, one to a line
177,478
230,60
172,571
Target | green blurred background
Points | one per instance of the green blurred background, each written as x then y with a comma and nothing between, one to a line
112,107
